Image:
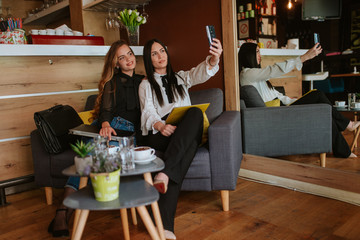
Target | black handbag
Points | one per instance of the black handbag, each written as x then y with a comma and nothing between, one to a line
54,124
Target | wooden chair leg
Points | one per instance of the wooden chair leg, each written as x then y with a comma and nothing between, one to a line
125,223
133,215
322,159
49,195
225,199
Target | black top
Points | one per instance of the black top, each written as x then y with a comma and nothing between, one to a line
121,99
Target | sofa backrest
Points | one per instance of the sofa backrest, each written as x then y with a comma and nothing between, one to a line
214,96
251,96
90,102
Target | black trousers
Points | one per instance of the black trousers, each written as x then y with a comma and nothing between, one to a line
179,151
339,123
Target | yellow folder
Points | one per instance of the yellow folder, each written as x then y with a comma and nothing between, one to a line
178,112
303,96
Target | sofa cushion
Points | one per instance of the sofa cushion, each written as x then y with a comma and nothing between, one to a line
251,96
273,103
214,96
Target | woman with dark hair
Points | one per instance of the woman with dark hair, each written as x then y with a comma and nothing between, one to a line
117,107
251,73
163,90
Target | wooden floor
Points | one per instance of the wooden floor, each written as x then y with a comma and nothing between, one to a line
257,211
346,164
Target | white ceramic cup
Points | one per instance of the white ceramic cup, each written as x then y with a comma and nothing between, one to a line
34,32
68,33
340,103
77,33
355,105
50,31
142,153
59,32
42,32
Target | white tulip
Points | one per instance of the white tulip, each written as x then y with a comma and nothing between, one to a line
144,20
129,12
138,19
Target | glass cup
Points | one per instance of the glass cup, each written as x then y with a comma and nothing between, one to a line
126,153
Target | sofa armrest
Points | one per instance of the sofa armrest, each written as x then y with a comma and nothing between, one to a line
280,131
41,160
225,149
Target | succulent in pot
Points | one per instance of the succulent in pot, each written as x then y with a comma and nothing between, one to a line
83,161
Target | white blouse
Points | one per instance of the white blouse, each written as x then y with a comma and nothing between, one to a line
258,77
152,112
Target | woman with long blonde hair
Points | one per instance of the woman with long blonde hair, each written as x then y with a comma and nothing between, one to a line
117,108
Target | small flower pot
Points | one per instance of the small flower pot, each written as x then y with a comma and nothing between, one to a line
106,185
82,163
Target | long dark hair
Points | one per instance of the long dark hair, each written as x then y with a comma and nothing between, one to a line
247,56
176,90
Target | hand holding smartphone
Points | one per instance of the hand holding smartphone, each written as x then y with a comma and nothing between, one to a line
316,38
210,32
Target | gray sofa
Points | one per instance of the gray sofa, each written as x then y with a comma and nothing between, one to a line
215,166
285,130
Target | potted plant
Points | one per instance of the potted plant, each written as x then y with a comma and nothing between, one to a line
105,175
83,160
132,19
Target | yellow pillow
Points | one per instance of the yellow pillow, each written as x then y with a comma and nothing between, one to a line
273,103
205,129
85,117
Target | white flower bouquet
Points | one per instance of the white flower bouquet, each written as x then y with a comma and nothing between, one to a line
131,19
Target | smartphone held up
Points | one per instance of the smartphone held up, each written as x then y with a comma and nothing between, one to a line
210,32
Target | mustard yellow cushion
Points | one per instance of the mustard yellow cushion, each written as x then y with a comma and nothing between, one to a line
85,116
205,129
273,103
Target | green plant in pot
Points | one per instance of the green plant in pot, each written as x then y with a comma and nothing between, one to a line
105,174
83,160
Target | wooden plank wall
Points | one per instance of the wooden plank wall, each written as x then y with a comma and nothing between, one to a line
30,84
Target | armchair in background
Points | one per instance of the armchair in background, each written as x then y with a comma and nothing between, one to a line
285,130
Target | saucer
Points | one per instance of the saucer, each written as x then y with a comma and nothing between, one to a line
345,106
145,161
355,109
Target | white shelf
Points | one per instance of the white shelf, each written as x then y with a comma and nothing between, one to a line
58,50
51,14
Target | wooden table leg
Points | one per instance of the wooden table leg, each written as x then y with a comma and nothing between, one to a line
125,223
82,184
133,215
353,145
355,132
155,209
81,225
148,222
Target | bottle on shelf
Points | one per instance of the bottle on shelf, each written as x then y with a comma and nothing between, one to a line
261,7
265,7
273,8
261,26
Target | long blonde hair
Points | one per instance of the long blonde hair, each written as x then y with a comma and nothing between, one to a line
110,68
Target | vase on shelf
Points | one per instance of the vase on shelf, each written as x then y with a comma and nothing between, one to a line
133,35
